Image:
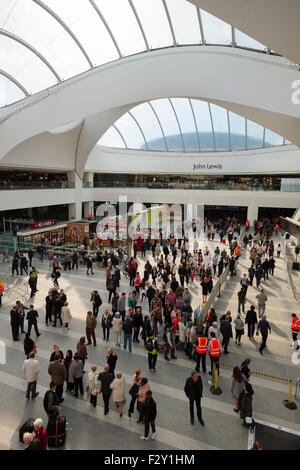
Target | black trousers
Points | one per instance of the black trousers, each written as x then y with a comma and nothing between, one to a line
95,310
152,358
21,324
75,263
48,317
149,422
251,329
140,408
31,387
105,332
198,406
136,333
57,316
59,391
238,335
132,403
214,360
34,325
264,341
15,331
93,400
106,397
78,385
225,343
202,358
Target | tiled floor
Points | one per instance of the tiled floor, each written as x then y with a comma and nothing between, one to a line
89,429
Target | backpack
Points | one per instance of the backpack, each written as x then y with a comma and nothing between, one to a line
150,345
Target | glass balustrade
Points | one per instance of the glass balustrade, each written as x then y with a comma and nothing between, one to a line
191,185
5,186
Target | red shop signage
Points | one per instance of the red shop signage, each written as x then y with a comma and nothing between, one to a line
43,224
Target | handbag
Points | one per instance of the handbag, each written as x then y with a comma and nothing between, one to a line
242,331
134,390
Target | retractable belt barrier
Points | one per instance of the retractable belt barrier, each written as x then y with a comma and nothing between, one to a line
287,403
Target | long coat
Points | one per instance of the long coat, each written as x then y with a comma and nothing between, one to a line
245,404
118,388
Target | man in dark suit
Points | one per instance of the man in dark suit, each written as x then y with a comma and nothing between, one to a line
89,265
74,259
32,316
14,322
106,379
226,330
193,390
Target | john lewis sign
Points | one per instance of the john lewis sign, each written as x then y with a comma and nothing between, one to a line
207,166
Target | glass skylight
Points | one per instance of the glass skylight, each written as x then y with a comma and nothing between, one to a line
43,42
187,125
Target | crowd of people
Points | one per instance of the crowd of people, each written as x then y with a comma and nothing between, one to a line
157,311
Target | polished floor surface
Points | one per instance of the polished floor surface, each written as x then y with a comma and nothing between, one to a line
88,428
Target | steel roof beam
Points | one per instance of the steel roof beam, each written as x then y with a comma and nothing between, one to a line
21,41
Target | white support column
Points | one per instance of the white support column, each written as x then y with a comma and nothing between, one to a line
75,209
88,177
88,209
252,213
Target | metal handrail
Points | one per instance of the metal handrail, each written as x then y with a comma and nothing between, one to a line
170,185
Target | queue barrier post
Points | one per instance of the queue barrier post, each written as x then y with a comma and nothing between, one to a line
289,404
214,389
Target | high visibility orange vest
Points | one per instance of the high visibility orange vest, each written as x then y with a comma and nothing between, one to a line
276,227
237,251
295,326
215,347
201,348
247,223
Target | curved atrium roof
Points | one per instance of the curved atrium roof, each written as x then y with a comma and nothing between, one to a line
45,42
187,125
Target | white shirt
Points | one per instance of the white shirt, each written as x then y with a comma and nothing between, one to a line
31,369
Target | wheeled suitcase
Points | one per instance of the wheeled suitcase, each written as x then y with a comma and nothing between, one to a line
26,427
56,431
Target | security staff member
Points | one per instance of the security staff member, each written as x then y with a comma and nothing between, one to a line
152,347
201,350
295,328
237,252
214,352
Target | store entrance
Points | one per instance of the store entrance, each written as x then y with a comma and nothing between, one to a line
274,212
215,213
